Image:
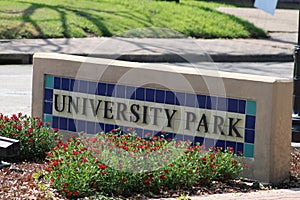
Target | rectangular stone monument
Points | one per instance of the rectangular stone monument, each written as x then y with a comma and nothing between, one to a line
250,113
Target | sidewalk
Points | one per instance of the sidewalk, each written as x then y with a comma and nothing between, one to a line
282,27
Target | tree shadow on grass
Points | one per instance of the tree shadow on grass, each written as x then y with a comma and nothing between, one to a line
62,10
101,29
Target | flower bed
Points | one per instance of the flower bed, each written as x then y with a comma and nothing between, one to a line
117,163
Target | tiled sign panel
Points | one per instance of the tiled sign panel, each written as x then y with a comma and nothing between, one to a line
92,107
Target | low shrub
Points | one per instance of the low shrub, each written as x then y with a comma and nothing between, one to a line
35,138
116,164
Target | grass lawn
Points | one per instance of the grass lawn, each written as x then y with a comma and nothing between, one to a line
128,18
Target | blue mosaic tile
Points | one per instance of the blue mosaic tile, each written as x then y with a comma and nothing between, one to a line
92,87
251,107
74,85
190,100
170,97
108,127
249,150
160,96
231,144
80,125
208,143
47,119
71,125
55,122
99,127
232,105
147,133
220,143
83,86
48,107
65,84
48,96
110,90
249,136
180,98
139,131
120,91
140,94
201,99
250,122
72,82
63,123
222,104
199,140
49,82
90,127
188,138
242,106
150,94
169,136
57,83
101,89
179,137
239,148
211,102
130,92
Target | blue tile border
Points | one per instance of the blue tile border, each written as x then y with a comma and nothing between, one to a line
240,106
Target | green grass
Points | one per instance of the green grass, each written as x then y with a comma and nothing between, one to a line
128,18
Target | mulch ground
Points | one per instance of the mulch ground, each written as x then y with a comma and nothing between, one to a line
25,181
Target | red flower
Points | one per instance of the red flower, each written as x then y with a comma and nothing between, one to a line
55,162
84,159
40,124
83,149
69,194
27,135
55,130
76,192
162,177
102,166
75,153
120,165
30,130
171,165
52,179
166,171
147,181
93,140
103,172
31,141
19,127
65,185
125,179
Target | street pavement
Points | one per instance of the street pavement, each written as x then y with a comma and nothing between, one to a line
272,56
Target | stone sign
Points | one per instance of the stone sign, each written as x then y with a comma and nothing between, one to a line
246,112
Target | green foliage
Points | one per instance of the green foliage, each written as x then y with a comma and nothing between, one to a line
116,164
35,139
66,18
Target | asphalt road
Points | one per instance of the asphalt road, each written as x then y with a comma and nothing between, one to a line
16,80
